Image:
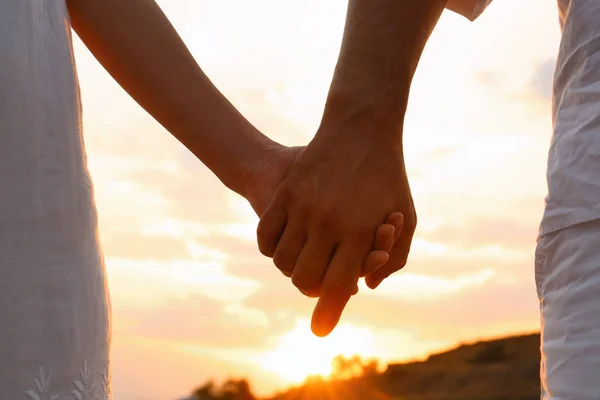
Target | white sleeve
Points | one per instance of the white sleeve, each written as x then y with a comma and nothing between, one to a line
468,8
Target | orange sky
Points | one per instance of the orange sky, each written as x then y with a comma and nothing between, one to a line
192,296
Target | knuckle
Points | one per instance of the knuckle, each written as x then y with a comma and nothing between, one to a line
326,218
304,211
312,293
264,240
410,224
299,282
265,248
283,262
414,217
394,265
302,208
286,273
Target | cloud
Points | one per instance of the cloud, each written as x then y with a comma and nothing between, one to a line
490,309
486,232
203,322
127,244
192,194
489,77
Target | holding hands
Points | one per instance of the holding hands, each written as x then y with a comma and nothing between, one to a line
325,225
332,212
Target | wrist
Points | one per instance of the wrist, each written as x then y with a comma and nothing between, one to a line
379,116
362,124
253,150
228,148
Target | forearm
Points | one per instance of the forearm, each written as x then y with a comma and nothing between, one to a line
382,44
139,47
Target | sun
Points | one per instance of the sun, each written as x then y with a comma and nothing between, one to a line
299,354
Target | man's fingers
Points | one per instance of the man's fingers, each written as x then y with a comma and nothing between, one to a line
271,227
289,247
339,285
312,264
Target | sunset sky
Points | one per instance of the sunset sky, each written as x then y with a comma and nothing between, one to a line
192,296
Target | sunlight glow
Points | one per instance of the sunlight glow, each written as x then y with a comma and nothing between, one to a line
299,354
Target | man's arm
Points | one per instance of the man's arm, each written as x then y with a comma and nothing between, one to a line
383,43
352,174
139,47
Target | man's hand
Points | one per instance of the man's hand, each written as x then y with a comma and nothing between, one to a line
320,225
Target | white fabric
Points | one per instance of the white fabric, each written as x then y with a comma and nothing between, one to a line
54,307
574,158
567,272
568,252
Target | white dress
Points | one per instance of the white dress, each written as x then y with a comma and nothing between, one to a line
54,304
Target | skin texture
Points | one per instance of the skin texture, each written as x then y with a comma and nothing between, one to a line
352,175
262,181
139,47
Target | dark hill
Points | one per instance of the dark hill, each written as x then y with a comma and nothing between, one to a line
502,369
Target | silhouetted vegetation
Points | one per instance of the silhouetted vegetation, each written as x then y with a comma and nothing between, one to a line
490,353
503,369
232,389
347,368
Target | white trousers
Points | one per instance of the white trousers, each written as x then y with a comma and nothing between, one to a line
567,272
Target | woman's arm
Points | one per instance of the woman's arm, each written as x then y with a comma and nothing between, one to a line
139,47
